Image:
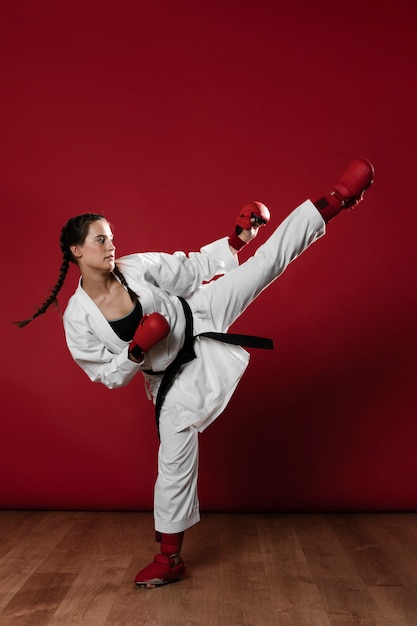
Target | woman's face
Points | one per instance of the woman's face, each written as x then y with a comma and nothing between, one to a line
97,252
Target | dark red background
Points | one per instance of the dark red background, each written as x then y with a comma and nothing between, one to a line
167,117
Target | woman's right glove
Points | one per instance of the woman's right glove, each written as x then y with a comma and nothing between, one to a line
151,330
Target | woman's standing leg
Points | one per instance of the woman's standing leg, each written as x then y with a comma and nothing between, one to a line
176,505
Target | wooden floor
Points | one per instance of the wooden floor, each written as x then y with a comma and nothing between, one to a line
313,569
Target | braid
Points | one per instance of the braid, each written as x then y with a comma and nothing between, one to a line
73,233
52,298
117,272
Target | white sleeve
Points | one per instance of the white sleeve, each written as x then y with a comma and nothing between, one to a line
98,362
181,274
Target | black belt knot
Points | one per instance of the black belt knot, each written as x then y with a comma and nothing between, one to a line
187,353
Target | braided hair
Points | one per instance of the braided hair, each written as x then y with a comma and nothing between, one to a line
73,233
117,272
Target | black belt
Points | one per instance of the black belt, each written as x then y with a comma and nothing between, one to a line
187,353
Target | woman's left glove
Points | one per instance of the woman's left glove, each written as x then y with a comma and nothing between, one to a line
251,217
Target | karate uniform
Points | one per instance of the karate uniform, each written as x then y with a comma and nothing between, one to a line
203,387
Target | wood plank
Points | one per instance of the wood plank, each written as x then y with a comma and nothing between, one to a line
62,568
37,600
338,580
90,598
294,596
14,525
28,551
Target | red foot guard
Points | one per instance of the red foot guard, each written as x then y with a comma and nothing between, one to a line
160,572
354,181
349,189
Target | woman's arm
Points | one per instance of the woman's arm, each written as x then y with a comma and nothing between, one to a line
100,365
181,274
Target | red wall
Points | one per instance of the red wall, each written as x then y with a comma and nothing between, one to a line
167,117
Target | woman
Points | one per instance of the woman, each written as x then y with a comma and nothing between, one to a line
151,313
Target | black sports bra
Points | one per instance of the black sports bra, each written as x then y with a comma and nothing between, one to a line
126,326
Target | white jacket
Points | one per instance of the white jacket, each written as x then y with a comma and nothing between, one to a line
204,386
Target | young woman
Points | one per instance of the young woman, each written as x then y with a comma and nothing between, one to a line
151,313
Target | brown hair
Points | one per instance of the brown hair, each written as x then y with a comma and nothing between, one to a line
73,233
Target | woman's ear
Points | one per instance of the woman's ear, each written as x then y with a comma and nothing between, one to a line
76,252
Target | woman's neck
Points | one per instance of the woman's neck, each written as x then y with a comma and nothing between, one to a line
113,300
97,284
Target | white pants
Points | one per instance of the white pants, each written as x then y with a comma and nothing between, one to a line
176,505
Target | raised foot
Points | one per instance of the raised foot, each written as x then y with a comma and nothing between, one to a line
355,180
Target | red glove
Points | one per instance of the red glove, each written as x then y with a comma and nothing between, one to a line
151,330
252,215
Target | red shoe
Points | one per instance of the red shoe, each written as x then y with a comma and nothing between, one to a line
160,572
349,189
353,183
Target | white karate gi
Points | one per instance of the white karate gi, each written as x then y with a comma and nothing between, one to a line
203,387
